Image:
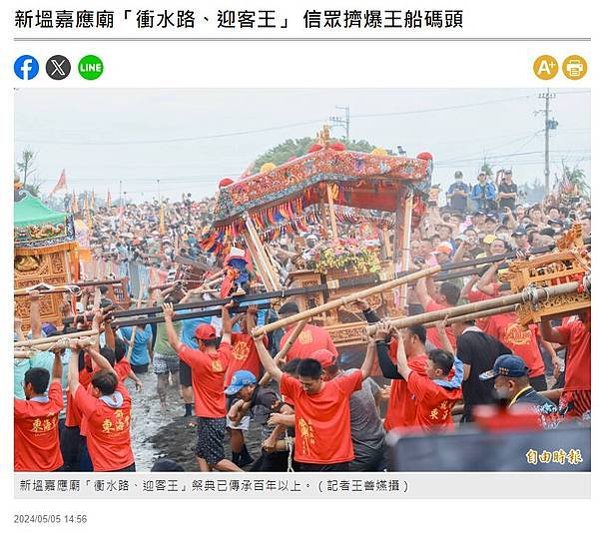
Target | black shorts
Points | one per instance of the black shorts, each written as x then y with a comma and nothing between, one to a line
71,447
320,468
184,374
211,439
140,369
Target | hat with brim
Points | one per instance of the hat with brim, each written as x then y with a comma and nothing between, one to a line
508,365
205,331
240,380
444,248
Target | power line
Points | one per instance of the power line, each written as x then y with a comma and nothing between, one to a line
174,140
444,108
340,121
281,127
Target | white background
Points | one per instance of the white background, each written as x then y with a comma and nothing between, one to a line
302,64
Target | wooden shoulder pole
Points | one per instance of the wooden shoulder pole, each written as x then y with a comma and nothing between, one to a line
476,307
49,341
476,315
23,354
270,278
405,248
333,304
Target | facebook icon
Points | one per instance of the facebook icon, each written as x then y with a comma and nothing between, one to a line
26,67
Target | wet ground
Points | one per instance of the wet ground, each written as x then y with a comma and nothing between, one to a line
156,433
167,434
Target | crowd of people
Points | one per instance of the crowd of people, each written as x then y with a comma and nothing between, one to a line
73,405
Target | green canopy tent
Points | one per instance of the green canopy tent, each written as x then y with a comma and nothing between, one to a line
39,229
43,239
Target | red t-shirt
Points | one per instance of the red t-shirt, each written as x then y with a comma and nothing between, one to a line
521,340
73,417
401,412
322,421
578,365
431,333
122,369
244,355
311,339
37,447
478,296
208,379
122,372
433,402
108,436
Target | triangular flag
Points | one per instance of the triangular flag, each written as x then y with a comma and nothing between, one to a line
61,184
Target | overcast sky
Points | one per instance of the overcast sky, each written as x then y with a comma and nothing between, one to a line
190,139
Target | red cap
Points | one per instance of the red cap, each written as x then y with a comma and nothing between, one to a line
205,331
225,182
325,357
444,248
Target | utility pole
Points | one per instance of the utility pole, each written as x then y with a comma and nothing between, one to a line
340,121
550,124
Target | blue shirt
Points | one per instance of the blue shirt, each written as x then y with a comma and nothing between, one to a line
139,353
189,327
44,359
486,191
21,366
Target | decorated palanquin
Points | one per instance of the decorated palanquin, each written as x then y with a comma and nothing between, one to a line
570,261
322,187
43,239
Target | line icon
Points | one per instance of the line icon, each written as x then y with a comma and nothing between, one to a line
26,67
91,67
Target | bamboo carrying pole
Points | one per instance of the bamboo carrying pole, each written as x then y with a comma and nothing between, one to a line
306,314
405,248
285,349
49,341
269,276
519,298
44,289
476,315
23,354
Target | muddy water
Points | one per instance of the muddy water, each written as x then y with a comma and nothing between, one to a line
148,418
156,433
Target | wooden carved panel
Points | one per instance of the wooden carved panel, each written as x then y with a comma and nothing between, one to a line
51,269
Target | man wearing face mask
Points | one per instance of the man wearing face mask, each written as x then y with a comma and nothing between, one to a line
512,385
